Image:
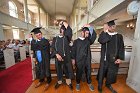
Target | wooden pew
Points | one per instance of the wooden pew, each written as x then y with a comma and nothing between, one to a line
22,51
9,57
123,68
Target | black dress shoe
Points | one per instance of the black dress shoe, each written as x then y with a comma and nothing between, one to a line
57,85
111,88
64,82
70,86
38,84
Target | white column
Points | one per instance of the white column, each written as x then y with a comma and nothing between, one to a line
47,20
133,79
89,4
79,15
1,32
39,21
26,11
75,21
79,19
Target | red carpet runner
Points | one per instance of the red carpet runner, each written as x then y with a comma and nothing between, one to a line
17,78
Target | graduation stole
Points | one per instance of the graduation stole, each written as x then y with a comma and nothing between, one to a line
38,54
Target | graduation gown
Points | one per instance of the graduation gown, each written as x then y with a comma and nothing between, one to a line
82,54
112,48
61,46
43,67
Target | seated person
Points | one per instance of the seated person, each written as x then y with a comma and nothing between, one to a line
16,50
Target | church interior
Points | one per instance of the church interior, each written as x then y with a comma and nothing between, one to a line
19,17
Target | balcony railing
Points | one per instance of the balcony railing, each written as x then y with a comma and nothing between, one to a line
19,14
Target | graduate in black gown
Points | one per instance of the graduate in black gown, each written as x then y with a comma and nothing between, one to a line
61,51
81,56
112,53
41,54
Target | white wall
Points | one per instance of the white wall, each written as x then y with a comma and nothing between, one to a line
1,33
128,34
8,34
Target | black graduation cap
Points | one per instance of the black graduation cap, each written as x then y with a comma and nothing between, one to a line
111,23
85,29
36,30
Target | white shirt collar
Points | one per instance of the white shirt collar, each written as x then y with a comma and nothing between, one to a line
60,36
82,38
114,33
38,40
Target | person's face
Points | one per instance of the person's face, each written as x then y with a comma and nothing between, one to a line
17,42
85,33
112,28
38,36
82,34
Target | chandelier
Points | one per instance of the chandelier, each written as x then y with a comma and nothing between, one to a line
55,20
130,25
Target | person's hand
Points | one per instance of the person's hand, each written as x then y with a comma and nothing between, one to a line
59,57
65,24
73,61
34,60
118,61
86,25
60,23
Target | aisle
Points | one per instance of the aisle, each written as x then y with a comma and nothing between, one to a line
17,78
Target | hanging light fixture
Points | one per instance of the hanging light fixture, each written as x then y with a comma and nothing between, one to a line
55,20
130,25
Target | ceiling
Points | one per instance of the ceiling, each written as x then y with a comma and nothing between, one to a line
58,7
119,12
32,6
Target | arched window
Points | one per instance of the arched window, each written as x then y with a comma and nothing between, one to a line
12,9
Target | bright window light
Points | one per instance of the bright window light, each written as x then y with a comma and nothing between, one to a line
16,33
12,9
